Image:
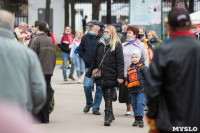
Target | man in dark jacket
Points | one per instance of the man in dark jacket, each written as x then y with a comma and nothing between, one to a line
86,51
44,48
173,82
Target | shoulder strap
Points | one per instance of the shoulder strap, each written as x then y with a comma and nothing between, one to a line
103,58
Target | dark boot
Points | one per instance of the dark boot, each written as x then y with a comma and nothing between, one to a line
141,122
136,122
107,92
107,119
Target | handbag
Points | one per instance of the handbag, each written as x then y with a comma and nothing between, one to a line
114,97
96,73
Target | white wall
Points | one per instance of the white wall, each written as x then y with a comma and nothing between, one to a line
58,15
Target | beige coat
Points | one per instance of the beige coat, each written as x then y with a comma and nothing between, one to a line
19,35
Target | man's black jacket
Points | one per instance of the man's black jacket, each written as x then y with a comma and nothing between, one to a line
173,84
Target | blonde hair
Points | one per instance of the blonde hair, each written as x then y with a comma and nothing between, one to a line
80,32
113,37
153,33
140,27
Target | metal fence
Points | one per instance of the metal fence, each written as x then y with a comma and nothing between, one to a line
118,10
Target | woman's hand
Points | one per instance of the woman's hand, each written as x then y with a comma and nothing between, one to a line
120,81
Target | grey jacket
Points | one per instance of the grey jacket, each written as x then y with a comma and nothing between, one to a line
44,47
128,50
21,78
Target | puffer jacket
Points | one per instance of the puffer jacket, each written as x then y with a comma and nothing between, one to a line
141,75
112,66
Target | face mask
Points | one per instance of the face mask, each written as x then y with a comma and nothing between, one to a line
106,37
92,32
129,39
140,36
68,33
78,37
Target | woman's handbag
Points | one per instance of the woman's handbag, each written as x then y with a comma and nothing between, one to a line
96,73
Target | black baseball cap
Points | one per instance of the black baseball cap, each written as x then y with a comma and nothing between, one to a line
179,17
94,22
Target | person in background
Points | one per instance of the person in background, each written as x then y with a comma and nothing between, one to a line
80,66
153,42
194,30
65,45
119,25
84,22
86,51
86,28
102,27
172,87
124,33
142,38
119,34
23,85
43,46
109,51
21,32
49,34
126,21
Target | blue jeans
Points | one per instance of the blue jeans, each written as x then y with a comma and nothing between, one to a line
88,85
72,67
79,65
65,58
138,103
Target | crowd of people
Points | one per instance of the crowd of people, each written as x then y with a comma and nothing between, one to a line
146,71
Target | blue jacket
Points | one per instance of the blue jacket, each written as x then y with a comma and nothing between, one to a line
87,48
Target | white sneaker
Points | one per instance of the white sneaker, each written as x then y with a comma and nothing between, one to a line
128,113
79,81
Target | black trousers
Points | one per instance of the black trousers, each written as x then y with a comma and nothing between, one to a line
43,115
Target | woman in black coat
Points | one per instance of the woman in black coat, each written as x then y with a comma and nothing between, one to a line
112,68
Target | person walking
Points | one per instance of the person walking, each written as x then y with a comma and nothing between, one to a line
84,22
86,51
142,38
153,41
65,45
131,44
109,59
79,63
172,88
44,48
21,78
135,83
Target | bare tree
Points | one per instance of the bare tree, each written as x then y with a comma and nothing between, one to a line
73,13
191,6
47,12
108,17
95,9
66,13
173,3
6,4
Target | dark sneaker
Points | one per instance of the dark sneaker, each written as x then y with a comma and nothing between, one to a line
96,112
65,78
141,123
86,109
135,123
71,77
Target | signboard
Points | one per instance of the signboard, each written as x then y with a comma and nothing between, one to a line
145,12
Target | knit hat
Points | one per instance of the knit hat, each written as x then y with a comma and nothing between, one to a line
137,53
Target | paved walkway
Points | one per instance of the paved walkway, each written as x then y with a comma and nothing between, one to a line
68,116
